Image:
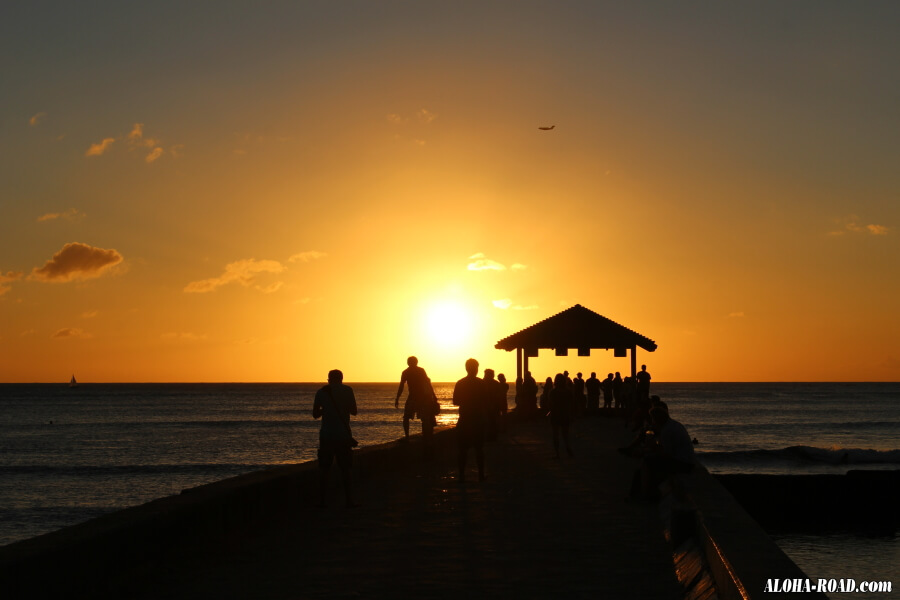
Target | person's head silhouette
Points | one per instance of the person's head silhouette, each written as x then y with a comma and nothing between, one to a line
412,361
335,376
472,366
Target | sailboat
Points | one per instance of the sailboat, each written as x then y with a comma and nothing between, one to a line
72,382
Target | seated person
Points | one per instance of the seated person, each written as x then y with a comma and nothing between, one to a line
670,452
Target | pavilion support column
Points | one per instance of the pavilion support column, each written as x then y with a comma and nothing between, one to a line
633,361
519,373
524,365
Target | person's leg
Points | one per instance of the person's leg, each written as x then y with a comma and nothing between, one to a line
405,426
555,440
345,462
462,450
479,457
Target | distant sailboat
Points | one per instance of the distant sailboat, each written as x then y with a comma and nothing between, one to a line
72,382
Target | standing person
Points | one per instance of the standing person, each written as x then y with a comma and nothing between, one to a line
420,401
335,403
560,413
607,386
530,389
502,395
672,453
643,385
578,394
492,389
470,396
618,390
592,385
545,396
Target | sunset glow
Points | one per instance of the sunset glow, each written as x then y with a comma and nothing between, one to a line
273,192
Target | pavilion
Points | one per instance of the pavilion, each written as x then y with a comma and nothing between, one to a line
579,328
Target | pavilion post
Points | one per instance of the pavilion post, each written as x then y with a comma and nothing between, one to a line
633,361
519,373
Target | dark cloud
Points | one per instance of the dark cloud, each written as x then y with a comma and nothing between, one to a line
76,261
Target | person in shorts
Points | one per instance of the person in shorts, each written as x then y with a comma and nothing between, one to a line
334,403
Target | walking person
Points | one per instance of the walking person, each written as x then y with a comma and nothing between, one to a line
334,403
561,413
470,395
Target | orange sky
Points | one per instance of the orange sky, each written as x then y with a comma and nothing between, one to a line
222,193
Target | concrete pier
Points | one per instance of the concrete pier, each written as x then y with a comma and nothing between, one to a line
537,528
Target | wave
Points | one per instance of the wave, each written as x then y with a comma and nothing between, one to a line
808,454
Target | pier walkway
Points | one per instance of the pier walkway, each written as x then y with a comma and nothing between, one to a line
537,528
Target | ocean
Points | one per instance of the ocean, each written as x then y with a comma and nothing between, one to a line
71,454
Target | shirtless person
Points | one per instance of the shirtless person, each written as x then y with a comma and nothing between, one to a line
421,400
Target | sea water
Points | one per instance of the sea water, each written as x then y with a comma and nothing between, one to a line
70,454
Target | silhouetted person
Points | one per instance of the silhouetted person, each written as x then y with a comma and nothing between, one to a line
607,386
470,396
493,389
643,384
561,413
335,403
592,386
421,401
672,452
545,396
628,392
529,395
502,393
618,390
578,394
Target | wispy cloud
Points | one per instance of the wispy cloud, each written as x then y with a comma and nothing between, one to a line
482,263
8,278
307,256
36,119
736,315
242,272
76,261
136,139
271,288
100,147
183,336
518,267
69,215
852,225
154,154
507,304
425,116
90,314
70,332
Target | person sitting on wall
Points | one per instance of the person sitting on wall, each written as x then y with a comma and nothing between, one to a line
671,452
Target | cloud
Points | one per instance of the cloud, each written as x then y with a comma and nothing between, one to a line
852,225
271,288
70,332
184,336
69,215
518,267
507,304
8,278
425,116
395,119
100,148
136,139
242,272
76,261
736,315
307,256
480,263
36,119
154,154
90,314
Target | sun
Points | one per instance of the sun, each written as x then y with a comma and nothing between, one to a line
448,324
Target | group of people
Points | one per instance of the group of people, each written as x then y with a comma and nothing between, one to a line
482,402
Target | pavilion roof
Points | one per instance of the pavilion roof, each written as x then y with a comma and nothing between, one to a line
576,327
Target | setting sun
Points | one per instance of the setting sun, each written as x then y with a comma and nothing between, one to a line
448,324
